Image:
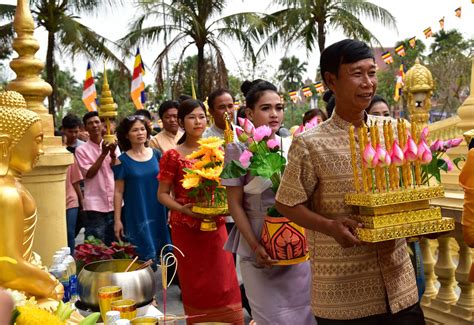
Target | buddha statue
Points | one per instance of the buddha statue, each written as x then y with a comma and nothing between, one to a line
21,139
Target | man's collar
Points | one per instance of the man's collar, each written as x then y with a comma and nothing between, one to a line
343,124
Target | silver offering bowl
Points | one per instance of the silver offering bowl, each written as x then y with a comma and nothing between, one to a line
139,285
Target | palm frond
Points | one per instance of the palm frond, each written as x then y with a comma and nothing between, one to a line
75,38
7,11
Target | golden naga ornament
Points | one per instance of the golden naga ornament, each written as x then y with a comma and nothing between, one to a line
107,110
21,140
391,197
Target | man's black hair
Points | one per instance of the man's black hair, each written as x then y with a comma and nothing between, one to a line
71,121
166,105
345,51
88,115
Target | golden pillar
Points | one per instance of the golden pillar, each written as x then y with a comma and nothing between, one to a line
47,181
419,89
466,110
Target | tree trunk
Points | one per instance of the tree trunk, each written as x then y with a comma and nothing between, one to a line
50,78
321,37
201,70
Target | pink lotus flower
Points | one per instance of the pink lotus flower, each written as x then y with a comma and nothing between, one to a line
262,132
383,156
397,154
411,150
241,135
245,158
424,134
311,123
449,163
246,125
424,153
452,143
369,157
437,145
299,130
273,144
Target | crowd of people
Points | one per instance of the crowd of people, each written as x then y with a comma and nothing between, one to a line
132,190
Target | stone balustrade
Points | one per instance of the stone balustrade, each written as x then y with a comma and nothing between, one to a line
449,296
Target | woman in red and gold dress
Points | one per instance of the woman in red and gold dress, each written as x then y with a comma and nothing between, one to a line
206,272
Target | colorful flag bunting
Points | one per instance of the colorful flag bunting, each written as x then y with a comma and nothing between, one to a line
319,87
294,96
138,86
412,41
428,32
89,93
457,12
400,50
387,57
307,92
441,23
400,83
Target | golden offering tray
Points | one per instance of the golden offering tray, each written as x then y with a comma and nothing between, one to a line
395,196
405,230
391,198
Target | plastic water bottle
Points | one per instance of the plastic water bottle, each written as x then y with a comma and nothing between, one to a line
60,272
71,272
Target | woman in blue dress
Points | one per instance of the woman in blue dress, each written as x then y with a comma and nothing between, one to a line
144,220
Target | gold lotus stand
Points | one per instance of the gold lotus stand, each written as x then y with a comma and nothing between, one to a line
209,224
391,199
398,214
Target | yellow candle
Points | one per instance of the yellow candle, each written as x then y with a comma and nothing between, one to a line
353,158
373,139
402,145
408,164
395,178
388,147
416,137
361,150
368,175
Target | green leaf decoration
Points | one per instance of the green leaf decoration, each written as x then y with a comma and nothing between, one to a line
234,169
273,212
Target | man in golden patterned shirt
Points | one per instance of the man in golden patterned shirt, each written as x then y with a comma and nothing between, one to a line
353,282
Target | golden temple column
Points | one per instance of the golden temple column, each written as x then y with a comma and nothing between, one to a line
47,181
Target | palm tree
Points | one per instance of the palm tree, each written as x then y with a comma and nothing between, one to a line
290,72
308,22
65,33
192,23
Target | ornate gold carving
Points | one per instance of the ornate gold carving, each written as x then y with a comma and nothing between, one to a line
107,109
15,119
418,81
394,197
407,230
394,208
400,218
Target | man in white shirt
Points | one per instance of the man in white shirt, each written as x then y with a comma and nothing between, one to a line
220,101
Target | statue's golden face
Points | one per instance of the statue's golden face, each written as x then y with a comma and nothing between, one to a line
25,154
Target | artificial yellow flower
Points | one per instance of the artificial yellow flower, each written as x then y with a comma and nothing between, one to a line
191,180
210,173
196,154
211,143
219,154
33,315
